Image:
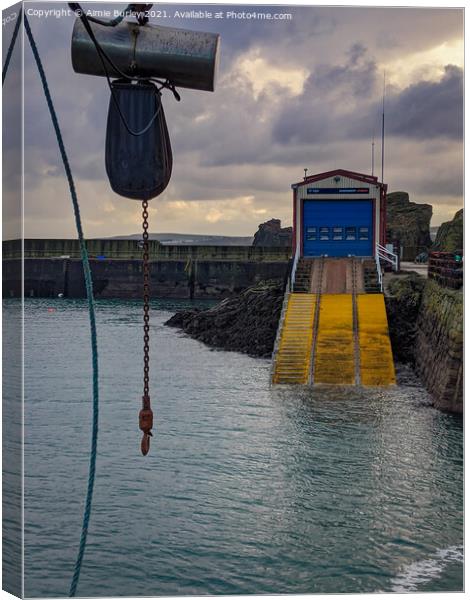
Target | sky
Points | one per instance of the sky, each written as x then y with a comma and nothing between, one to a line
303,92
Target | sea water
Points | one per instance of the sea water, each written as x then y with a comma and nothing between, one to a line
247,488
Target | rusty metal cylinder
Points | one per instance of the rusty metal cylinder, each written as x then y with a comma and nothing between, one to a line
188,59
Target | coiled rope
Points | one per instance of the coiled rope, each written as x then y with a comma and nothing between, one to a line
89,293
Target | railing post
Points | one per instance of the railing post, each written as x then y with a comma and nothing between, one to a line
279,327
379,270
294,270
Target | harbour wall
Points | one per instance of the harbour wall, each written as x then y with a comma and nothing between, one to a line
53,267
426,331
439,345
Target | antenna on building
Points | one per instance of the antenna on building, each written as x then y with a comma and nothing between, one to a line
373,152
383,129
305,173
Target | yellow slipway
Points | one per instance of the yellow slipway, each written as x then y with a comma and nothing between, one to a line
294,355
376,357
334,354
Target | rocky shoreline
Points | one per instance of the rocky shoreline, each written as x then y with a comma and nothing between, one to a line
245,323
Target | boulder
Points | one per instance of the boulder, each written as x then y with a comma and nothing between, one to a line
272,234
408,223
450,234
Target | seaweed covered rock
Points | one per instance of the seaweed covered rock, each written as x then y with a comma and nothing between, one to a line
450,234
245,323
403,302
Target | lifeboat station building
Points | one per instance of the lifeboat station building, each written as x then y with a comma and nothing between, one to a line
333,326
339,213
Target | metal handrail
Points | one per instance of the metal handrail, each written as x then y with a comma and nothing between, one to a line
387,255
379,271
294,270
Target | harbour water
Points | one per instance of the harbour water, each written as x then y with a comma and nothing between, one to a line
246,489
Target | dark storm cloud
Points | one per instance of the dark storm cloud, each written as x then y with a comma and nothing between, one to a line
357,76
314,115
423,110
429,109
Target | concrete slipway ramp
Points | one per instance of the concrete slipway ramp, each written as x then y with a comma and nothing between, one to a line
334,328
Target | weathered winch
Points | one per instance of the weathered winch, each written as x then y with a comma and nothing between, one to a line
186,58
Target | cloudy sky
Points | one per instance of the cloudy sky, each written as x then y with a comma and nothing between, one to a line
304,92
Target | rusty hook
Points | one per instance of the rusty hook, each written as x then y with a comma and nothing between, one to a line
146,424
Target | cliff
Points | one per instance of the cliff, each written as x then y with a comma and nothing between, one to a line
408,222
449,236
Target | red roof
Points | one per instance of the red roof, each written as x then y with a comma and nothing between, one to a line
351,174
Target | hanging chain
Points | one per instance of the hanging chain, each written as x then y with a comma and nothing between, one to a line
146,414
145,237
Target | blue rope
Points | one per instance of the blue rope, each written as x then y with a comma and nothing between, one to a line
91,309
11,46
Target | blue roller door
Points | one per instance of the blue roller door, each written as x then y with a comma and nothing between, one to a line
338,227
